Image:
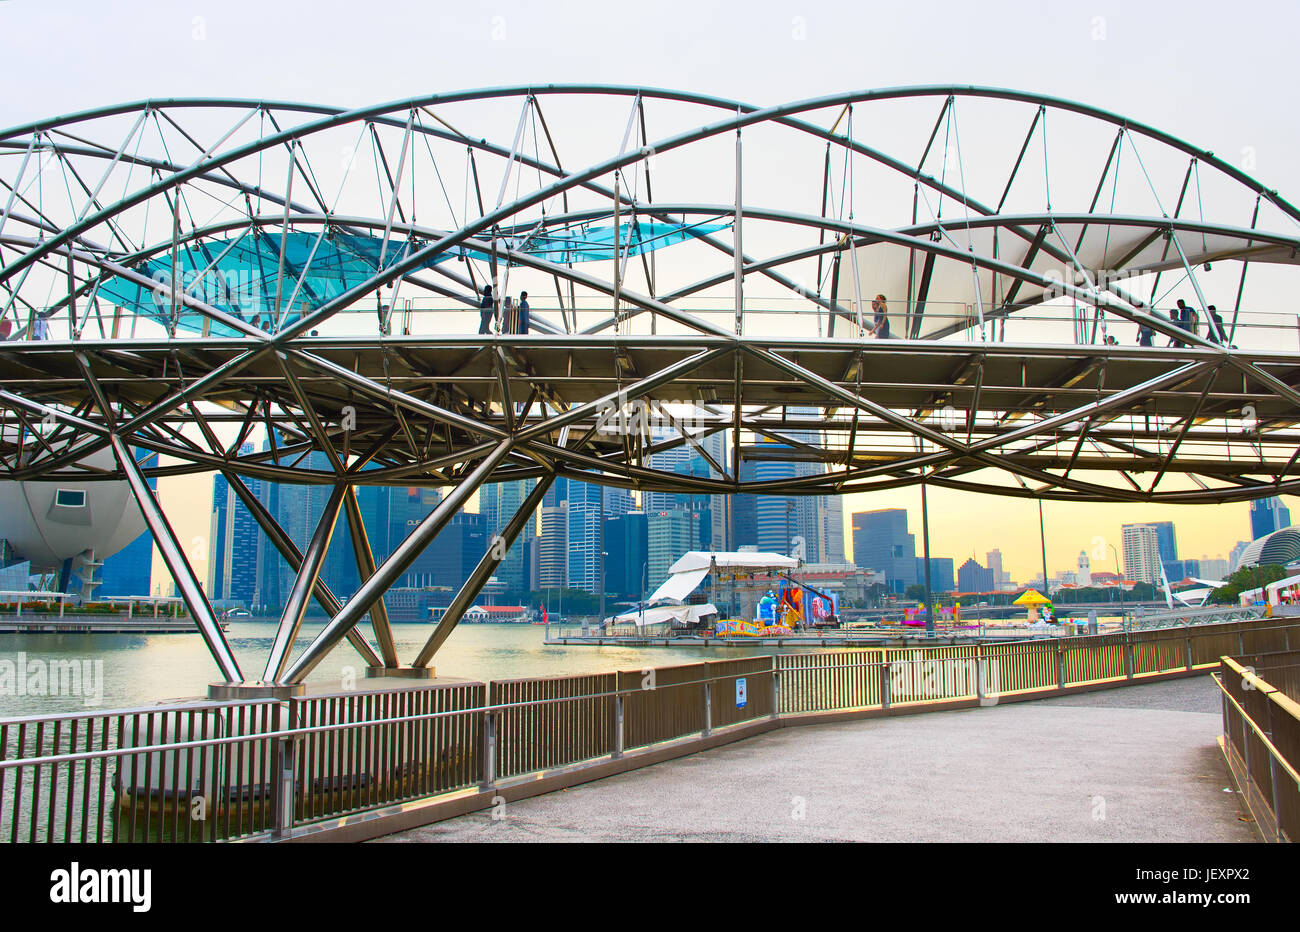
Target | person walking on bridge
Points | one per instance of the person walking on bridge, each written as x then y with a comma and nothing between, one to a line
523,312
880,322
486,310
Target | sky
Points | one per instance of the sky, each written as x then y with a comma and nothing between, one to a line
1198,70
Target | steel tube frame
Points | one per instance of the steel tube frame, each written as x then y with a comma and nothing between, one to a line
303,584
289,550
487,564
388,572
172,554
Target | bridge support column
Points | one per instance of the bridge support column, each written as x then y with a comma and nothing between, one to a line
295,606
884,685
177,565
487,565
405,554
366,568
293,556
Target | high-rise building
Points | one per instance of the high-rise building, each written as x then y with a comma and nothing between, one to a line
1141,553
687,459
971,577
232,542
994,561
785,524
589,504
1268,515
668,536
1167,540
881,542
808,526
626,567
942,577
1182,569
830,528
452,555
498,503
1214,568
553,547
1234,556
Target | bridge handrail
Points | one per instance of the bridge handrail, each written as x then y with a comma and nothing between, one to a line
478,736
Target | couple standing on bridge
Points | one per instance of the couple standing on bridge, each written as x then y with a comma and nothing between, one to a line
513,317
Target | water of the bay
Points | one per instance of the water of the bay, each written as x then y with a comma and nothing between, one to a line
124,671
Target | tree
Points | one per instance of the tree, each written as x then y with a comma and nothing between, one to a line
1245,579
916,592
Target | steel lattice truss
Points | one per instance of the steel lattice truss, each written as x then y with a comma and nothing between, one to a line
705,285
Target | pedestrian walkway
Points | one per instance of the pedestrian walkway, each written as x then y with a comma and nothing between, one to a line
1132,764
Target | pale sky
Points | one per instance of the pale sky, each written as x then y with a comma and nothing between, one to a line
1217,76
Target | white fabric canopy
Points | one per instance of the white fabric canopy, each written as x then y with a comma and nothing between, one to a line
679,614
704,559
1126,247
691,568
679,585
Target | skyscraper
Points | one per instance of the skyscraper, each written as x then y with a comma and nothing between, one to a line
942,576
1167,540
498,503
232,542
588,504
452,555
971,577
686,459
1268,515
627,543
553,537
830,529
994,559
1141,553
881,542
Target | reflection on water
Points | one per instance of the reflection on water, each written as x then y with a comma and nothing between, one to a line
142,669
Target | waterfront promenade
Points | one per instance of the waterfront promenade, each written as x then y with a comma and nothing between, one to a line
1136,764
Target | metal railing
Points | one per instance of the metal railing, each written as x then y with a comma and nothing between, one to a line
1058,323
253,769
1261,737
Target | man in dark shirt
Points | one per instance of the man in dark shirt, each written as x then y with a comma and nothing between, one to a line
1178,317
523,312
486,310
1215,332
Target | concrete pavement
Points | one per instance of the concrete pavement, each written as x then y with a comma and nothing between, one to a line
1130,764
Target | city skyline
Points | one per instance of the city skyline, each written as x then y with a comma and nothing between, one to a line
983,523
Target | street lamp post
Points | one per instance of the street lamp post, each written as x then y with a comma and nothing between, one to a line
925,537
1120,580
1042,540
603,555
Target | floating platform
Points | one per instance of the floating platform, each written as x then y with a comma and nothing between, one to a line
97,624
872,639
